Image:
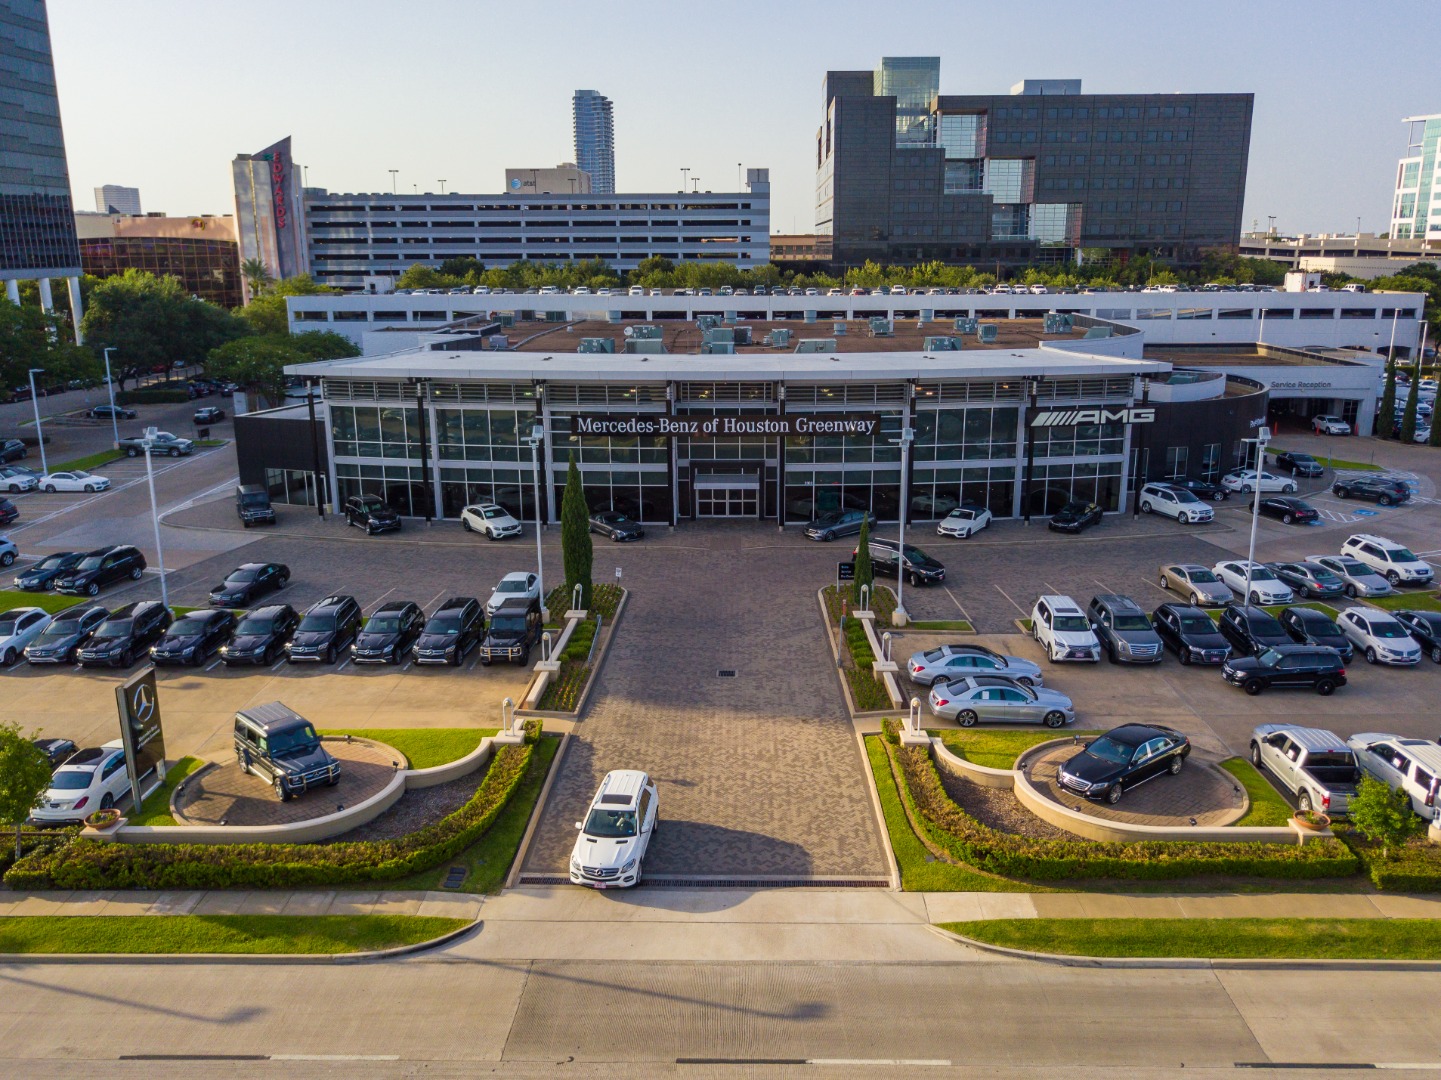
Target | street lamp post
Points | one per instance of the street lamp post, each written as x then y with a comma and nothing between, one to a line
110,385
1263,436
908,436
39,434
537,437
149,444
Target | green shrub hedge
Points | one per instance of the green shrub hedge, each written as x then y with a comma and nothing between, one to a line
152,397
86,864
578,647
968,840
1413,867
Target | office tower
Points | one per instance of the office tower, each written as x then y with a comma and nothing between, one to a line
914,81
595,140
115,199
1416,211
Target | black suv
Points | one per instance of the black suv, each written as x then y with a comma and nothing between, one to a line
282,748
41,576
126,634
1307,626
1310,667
247,582
1123,630
194,638
1251,629
328,626
1425,627
514,628
99,568
1190,633
12,450
388,633
252,503
260,636
8,511
61,640
1385,490
371,513
451,632
919,568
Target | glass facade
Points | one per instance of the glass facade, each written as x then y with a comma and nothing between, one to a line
962,135
914,81
595,140
209,269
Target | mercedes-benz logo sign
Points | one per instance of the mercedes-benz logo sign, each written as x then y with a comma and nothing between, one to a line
142,703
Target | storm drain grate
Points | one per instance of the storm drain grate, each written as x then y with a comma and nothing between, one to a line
726,673
730,883
454,878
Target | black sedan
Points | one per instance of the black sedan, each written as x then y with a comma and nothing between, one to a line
126,634
1308,626
208,415
388,633
193,638
1425,627
1075,516
55,750
1289,510
1190,633
1202,489
247,582
617,526
1299,464
260,636
105,412
12,450
1124,758
41,577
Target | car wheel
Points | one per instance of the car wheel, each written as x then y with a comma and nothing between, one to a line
1113,794
1111,654
967,718
1177,764
1436,654
1384,500
827,537
490,535
1055,718
280,792
966,535
1289,489
1303,801
1325,687
1370,656
1256,599
1220,496
1246,489
1286,519
465,524
174,452
282,581
915,581
90,488
1393,577
1183,655
615,538
330,655
1253,687
136,573
1351,591
130,451
92,589
107,801
7,558
50,488
9,657
1256,755
14,489
1025,681
1146,508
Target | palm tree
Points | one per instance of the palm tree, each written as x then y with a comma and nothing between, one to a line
257,277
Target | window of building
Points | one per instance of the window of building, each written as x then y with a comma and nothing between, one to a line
1211,461
1176,461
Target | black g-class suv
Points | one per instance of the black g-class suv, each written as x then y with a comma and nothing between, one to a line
514,629
281,747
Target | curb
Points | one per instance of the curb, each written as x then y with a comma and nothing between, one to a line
1190,963
533,824
242,958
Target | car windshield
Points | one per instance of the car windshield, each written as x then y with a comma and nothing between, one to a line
72,780
1354,568
1388,630
7,626
1184,496
185,628
511,586
51,562
1072,623
60,628
242,577
113,629
301,737
1132,622
828,519
448,625
919,557
1268,658
1304,459
1198,624
509,624
610,824
316,624
1108,749
383,624
1403,555
254,626
1321,574
1202,577
78,474
91,562
493,512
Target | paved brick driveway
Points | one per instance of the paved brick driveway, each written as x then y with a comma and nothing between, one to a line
759,775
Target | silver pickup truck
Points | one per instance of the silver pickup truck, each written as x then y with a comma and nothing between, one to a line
1314,764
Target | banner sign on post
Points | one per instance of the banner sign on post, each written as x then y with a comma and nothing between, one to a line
735,424
140,730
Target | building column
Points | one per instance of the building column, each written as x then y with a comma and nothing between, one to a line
72,284
547,469
47,303
12,291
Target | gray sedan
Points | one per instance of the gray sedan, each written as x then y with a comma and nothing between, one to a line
1196,583
998,700
1359,579
953,661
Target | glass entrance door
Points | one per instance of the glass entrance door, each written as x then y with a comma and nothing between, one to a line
727,503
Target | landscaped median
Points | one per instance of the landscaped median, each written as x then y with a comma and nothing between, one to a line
868,693
577,655
1214,939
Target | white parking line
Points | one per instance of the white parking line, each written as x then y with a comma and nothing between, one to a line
374,604
215,665
278,664
473,661
426,606
964,613
407,666
1051,588
1008,597
342,664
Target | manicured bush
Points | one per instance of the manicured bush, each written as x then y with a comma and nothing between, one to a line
956,832
152,397
578,647
86,864
1412,867
604,600
563,692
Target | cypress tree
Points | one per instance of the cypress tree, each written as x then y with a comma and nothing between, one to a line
1386,413
575,541
1408,419
864,574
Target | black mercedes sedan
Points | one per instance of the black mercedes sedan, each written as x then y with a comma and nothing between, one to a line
388,633
617,526
260,636
1076,516
193,638
1289,510
1124,758
248,582
1202,489
41,577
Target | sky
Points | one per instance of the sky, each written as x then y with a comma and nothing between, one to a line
162,94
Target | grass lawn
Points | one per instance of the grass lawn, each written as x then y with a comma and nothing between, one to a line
1267,806
1276,609
920,871
46,601
156,810
942,624
488,860
1419,600
1289,939
207,443
218,933
1335,463
999,749
422,747
90,461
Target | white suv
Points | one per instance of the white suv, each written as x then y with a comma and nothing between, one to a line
1059,624
616,832
1174,502
1330,425
1388,558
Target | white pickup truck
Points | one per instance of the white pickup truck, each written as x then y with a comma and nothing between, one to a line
1314,764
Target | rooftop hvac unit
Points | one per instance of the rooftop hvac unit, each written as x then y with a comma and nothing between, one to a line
965,326
943,344
816,345
1057,323
596,345
721,333
707,322
986,333
881,326
506,318
780,337
643,333
927,315
838,328
730,318
556,316
645,345
718,348
499,341
742,335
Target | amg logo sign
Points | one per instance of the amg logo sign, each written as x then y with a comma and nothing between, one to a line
1067,417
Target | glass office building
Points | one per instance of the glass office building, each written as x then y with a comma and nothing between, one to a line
595,140
1416,211
914,81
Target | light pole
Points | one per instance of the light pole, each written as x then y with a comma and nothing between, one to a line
1263,436
908,436
392,172
149,442
442,187
537,437
110,385
39,435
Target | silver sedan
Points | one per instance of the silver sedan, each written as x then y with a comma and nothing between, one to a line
997,700
1196,583
954,661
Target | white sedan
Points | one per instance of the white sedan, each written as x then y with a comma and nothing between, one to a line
18,628
1379,636
90,780
1266,587
1244,480
488,518
74,480
963,521
516,586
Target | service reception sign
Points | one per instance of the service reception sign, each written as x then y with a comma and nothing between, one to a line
715,424
140,730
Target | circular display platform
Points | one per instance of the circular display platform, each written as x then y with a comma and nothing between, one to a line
1201,790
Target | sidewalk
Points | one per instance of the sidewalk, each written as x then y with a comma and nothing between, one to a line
217,902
